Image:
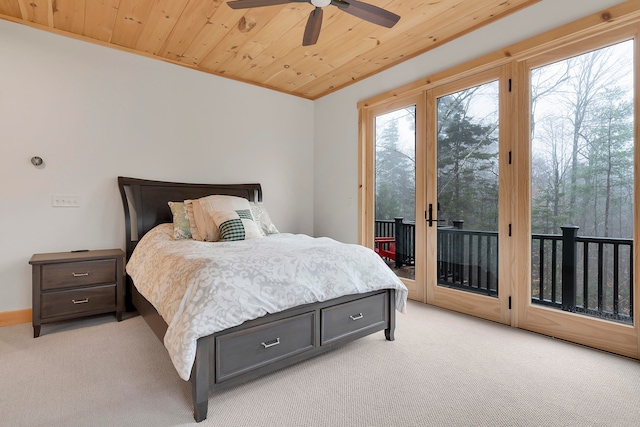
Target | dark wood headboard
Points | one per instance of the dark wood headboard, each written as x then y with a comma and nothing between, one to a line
145,202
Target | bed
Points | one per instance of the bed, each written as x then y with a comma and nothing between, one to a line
219,346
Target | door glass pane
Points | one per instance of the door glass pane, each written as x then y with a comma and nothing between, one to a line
582,183
467,208
395,186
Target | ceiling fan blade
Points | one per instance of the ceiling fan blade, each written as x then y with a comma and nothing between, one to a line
371,13
312,30
340,3
245,4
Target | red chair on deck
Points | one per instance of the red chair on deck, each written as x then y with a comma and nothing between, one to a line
386,247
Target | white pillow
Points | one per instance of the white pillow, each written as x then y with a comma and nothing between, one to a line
236,225
261,217
203,208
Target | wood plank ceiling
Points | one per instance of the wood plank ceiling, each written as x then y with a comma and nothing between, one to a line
263,46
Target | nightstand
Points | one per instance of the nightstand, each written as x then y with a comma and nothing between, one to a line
67,285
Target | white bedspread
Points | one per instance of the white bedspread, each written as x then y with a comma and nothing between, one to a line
201,287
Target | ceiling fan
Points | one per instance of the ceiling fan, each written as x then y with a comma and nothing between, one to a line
368,12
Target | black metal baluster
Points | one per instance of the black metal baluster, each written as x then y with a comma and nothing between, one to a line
616,294
441,253
478,262
444,255
554,269
488,266
600,274
450,260
497,252
585,278
631,274
541,277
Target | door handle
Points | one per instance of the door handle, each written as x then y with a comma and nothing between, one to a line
430,219
428,216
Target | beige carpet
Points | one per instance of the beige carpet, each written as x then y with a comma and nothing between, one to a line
444,369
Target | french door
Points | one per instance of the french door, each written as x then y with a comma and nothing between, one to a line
465,213
395,190
579,160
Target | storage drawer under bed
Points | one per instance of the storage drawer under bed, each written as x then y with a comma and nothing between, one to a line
245,350
349,318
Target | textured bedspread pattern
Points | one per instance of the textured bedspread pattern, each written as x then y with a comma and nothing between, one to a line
200,288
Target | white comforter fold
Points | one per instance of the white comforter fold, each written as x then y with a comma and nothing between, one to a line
201,287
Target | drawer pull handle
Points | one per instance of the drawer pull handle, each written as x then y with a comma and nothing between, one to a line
358,317
80,274
271,344
80,301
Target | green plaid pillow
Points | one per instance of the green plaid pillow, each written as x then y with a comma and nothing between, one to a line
232,229
236,225
245,213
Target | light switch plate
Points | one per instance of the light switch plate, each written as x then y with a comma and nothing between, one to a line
65,200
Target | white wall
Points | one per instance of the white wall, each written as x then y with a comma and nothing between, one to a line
336,115
94,113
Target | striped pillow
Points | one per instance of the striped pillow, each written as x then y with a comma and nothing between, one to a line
236,225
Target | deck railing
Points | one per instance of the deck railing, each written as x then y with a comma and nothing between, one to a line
468,259
588,275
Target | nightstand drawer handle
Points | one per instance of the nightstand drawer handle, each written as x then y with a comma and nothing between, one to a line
357,317
80,301
271,344
80,274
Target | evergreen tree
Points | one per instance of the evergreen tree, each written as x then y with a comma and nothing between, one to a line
395,175
467,164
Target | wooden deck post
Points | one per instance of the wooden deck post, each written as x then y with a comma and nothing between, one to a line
401,253
569,261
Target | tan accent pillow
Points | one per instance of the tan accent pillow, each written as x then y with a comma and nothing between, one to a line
204,207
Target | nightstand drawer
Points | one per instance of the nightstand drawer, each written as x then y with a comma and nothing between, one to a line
242,351
79,273
346,319
73,301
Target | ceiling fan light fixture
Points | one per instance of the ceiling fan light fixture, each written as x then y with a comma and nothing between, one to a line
320,3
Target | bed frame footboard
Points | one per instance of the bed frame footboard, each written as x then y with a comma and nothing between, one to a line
211,372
